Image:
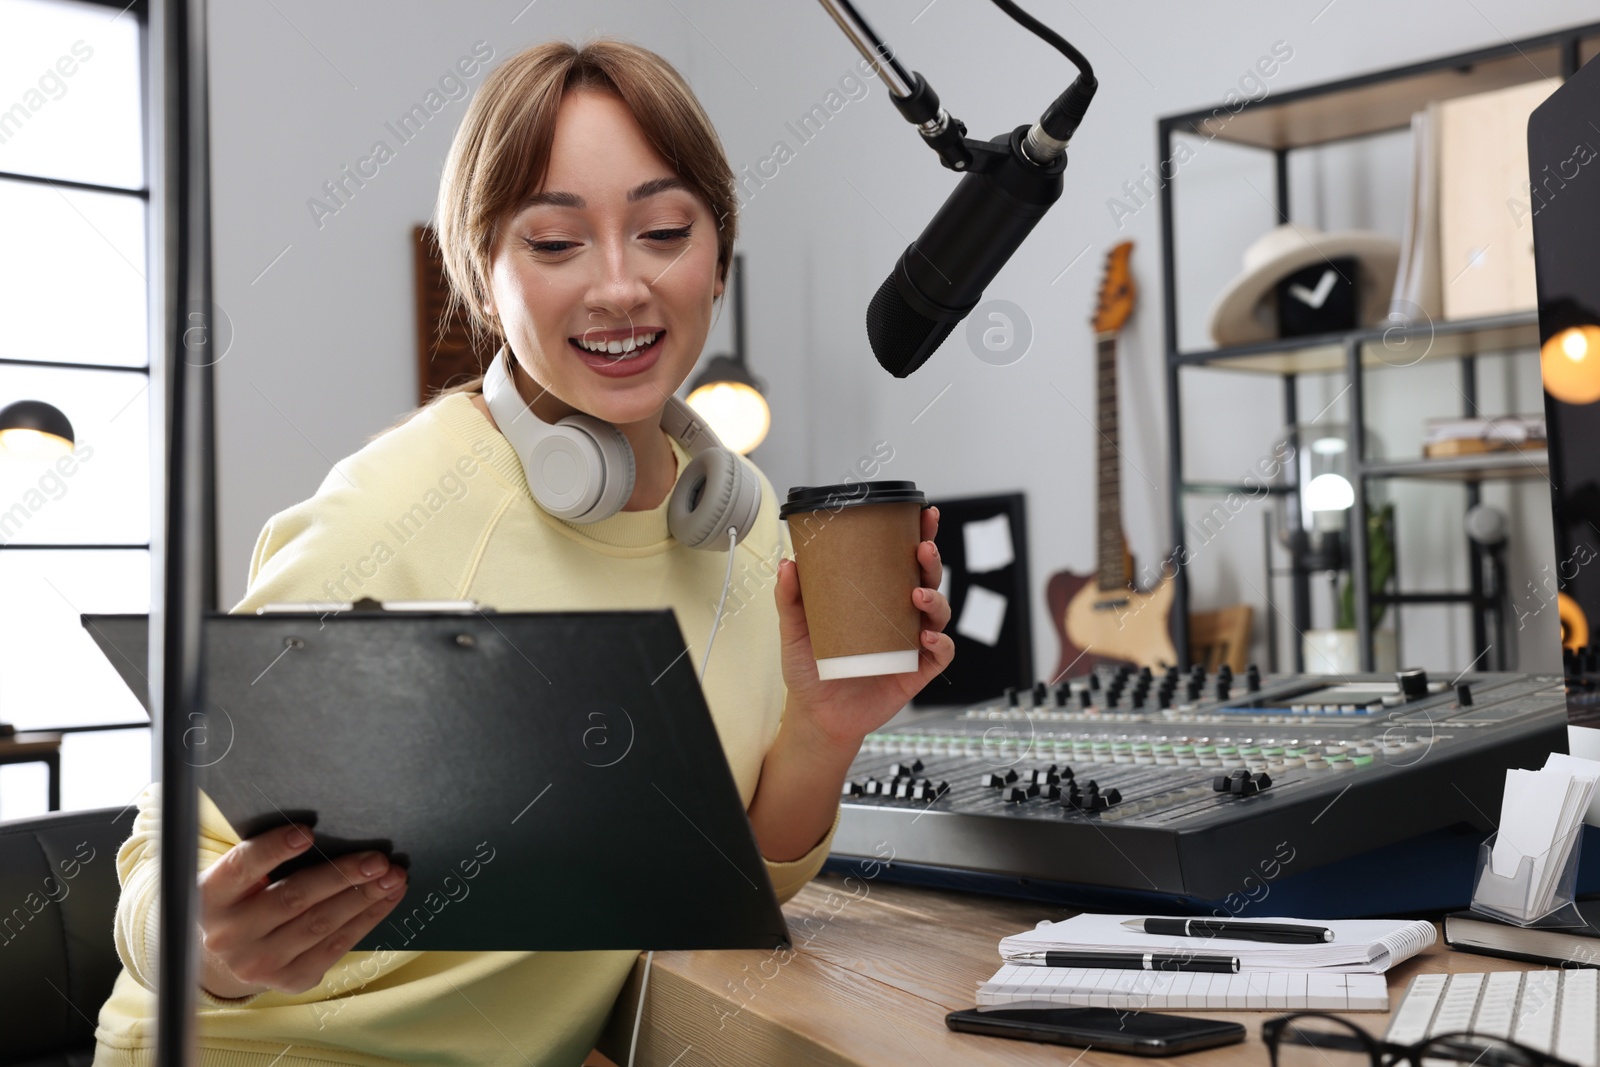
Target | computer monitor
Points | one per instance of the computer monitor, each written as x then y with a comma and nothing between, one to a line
1564,198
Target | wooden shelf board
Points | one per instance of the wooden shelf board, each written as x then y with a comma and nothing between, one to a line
1373,103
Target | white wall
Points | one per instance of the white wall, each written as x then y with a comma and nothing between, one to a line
323,348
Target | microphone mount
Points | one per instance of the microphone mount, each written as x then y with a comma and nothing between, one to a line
915,99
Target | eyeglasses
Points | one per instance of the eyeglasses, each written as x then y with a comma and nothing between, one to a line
1312,1039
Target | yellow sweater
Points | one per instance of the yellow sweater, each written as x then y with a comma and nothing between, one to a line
439,509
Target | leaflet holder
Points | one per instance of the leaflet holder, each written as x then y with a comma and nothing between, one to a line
1516,899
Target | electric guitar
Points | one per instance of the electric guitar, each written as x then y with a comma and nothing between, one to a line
1103,617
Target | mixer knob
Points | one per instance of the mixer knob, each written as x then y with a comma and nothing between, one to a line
1085,698
1111,698
1063,694
991,781
1225,671
900,770
1223,688
873,787
1011,695
1224,783
1094,680
1464,695
1052,792
1252,678
1413,683
1011,775
1041,693
851,789
1145,674
1113,796
1015,796
1193,691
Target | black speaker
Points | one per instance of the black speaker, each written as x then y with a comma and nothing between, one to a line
1564,200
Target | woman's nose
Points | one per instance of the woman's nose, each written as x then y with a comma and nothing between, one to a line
622,281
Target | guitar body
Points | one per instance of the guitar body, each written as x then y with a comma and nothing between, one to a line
1096,626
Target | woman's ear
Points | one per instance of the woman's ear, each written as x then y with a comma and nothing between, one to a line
716,292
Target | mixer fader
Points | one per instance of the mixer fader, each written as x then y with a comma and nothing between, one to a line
1171,783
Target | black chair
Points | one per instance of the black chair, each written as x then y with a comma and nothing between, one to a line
58,959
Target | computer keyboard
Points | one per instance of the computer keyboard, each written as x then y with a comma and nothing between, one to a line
1553,1011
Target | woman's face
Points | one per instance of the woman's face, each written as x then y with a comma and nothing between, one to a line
612,249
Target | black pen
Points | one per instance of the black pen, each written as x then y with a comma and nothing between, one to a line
1132,961
1274,933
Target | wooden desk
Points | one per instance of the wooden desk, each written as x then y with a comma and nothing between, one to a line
42,748
875,969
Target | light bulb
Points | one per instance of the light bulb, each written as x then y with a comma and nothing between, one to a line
33,445
1570,363
737,414
1329,492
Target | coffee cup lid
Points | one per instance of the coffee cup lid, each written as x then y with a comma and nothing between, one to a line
803,498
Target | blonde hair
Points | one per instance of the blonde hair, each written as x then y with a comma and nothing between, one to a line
501,154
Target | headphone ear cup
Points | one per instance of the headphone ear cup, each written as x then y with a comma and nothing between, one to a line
717,490
614,471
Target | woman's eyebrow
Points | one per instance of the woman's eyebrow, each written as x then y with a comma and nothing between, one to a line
638,192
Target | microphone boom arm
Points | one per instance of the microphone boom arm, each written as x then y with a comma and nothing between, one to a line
915,99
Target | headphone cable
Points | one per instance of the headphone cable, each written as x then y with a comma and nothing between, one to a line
716,622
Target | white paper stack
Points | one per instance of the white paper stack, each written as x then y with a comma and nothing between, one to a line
1359,946
1541,815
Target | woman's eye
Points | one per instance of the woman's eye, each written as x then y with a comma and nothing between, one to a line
548,247
669,235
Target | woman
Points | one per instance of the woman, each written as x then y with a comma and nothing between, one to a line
585,199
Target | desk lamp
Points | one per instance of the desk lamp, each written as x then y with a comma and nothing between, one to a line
32,431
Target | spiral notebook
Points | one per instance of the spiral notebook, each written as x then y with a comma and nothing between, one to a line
1022,985
1363,946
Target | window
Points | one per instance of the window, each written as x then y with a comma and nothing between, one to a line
74,536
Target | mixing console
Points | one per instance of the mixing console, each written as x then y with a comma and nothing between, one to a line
1181,785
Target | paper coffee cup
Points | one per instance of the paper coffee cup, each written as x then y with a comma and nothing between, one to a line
855,545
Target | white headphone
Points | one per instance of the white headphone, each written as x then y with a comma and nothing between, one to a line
581,469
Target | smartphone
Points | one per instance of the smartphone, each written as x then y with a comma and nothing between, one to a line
1136,1033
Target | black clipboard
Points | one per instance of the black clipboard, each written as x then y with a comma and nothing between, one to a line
553,781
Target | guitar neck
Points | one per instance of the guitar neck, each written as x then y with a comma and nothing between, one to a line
1112,566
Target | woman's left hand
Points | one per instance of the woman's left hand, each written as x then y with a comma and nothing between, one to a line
844,710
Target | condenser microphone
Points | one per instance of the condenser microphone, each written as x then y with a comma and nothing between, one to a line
1007,186
941,275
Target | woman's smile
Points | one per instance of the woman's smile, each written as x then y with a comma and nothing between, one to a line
625,352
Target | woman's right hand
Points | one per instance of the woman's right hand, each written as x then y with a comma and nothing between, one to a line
258,935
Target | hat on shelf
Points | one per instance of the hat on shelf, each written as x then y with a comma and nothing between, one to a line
1247,311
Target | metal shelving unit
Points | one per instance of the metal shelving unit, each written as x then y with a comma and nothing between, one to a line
1349,109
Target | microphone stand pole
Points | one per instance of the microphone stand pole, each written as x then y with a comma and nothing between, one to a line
183,550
